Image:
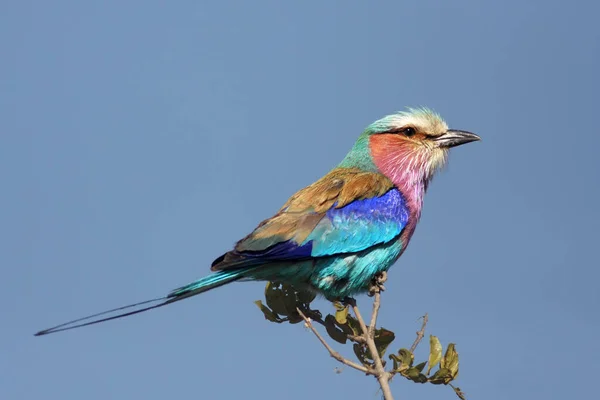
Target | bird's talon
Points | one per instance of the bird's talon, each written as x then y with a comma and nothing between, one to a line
377,283
348,301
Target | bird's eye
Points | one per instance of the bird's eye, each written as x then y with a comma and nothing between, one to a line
408,131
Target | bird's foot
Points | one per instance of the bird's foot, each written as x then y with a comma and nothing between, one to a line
377,283
348,301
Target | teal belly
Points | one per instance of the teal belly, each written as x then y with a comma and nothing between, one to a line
344,276
335,277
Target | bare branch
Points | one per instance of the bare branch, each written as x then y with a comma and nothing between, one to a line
358,315
315,317
369,335
371,362
332,352
373,323
357,339
382,375
420,334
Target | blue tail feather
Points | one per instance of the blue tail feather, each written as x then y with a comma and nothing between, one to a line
201,285
207,283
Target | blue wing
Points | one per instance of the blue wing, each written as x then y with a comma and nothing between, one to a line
359,225
356,226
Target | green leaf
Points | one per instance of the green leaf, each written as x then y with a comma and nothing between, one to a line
344,327
435,352
354,325
402,361
414,375
336,333
396,362
268,313
383,338
406,357
341,316
290,302
294,319
306,296
314,314
275,298
450,360
442,376
421,366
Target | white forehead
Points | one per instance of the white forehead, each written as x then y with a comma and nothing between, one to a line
423,119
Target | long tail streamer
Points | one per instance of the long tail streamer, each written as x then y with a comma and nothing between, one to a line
200,286
70,325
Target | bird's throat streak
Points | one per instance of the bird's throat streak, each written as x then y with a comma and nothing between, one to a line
405,163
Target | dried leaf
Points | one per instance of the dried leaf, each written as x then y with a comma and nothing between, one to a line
435,352
383,338
332,330
459,393
268,313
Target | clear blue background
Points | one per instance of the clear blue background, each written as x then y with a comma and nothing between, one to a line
140,139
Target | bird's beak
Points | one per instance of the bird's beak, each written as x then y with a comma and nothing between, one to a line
453,138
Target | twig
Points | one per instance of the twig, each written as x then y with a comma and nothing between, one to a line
332,352
366,338
420,334
368,334
380,373
314,317
376,305
357,339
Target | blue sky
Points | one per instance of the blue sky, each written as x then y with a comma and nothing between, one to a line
139,140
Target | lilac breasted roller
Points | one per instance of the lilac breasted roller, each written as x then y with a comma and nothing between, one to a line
337,234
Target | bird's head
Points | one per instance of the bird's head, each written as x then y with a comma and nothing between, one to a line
408,147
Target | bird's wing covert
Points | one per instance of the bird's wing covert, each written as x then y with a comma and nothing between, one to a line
346,211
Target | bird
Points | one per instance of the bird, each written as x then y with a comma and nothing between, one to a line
336,236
